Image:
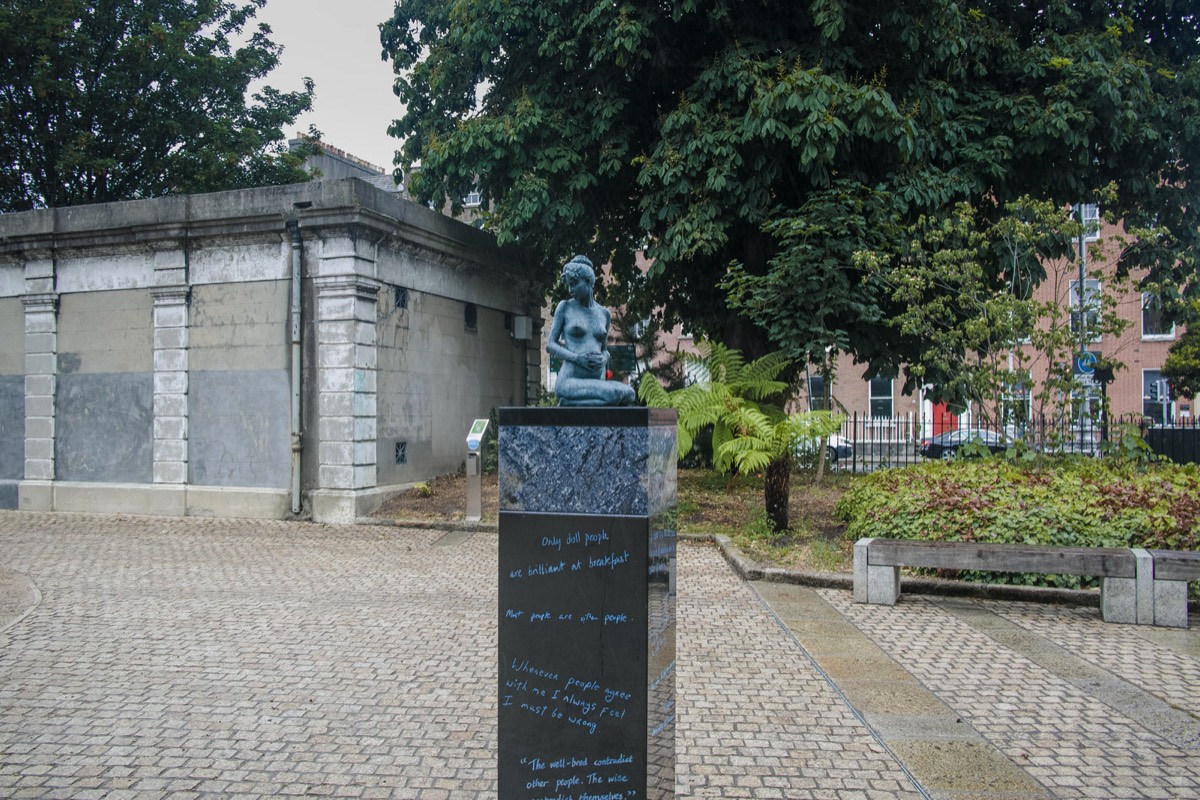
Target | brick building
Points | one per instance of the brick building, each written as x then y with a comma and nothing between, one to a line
1137,389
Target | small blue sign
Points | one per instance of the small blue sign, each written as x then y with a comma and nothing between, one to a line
1085,363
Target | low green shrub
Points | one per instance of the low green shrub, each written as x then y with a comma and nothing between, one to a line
1076,502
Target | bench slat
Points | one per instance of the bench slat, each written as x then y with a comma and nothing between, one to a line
1176,565
1094,561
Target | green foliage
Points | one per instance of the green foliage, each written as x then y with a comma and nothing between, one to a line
824,555
490,463
1125,443
757,531
1076,502
974,448
542,398
111,100
644,334
749,433
752,149
984,333
1182,367
422,490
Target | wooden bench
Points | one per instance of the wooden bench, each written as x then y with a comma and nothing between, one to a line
1145,587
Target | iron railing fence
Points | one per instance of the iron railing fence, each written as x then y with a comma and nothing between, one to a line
1179,441
867,443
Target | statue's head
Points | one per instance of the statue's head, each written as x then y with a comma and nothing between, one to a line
580,267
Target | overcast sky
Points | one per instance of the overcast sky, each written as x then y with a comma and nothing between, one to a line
336,43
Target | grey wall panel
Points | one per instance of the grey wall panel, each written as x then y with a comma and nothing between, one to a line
238,429
12,336
12,428
105,428
102,333
240,327
434,378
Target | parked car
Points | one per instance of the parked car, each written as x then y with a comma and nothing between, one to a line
836,447
946,445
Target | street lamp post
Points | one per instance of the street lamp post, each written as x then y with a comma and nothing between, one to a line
1084,399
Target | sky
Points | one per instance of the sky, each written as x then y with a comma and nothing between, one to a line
337,45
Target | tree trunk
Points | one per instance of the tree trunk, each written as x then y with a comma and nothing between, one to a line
776,493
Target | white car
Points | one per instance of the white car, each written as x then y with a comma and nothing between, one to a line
836,447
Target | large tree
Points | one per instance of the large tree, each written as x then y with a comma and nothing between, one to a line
754,148
113,100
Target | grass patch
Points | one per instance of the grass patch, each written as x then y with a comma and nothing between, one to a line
733,506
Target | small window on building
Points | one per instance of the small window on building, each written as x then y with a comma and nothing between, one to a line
401,452
401,297
473,200
881,397
471,318
1156,396
816,393
1091,308
1155,325
1090,217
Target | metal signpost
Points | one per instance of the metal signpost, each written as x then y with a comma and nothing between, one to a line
474,469
1084,369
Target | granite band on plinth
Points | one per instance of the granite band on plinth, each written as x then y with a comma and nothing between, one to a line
587,603
587,460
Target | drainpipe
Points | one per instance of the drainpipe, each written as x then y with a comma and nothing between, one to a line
294,228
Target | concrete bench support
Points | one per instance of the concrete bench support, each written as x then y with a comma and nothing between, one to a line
1137,586
874,583
1173,570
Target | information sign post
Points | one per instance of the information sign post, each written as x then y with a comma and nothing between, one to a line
474,470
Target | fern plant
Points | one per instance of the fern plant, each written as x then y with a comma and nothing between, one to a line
749,433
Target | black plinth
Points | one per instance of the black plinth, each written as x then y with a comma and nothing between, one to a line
586,703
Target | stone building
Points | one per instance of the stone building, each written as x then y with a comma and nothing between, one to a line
270,352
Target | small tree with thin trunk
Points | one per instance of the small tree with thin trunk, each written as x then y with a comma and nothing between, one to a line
1182,367
750,433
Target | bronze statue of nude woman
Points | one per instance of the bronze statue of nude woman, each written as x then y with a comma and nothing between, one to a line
579,336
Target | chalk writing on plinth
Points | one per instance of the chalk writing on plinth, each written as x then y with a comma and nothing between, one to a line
573,657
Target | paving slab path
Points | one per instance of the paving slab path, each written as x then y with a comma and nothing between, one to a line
150,657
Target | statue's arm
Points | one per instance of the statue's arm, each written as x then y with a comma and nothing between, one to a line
556,329
604,342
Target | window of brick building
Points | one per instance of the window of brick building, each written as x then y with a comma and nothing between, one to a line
881,397
1155,324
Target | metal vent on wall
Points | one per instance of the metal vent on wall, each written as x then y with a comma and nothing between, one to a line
401,452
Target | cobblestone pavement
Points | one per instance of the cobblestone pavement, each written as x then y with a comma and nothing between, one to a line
1085,709
152,657
756,718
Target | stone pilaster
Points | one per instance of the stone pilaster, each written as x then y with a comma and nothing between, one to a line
171,384
346,381
41,382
